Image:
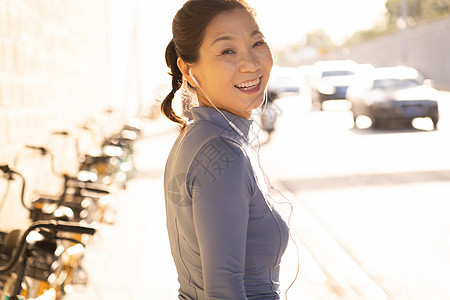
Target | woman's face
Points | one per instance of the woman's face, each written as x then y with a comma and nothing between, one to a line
234,64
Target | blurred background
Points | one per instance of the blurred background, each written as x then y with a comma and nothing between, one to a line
355,132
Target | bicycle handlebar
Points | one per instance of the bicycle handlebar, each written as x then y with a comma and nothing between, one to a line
74,228
7,170
43,150
54,227
61,133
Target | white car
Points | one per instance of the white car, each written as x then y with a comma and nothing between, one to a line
331,80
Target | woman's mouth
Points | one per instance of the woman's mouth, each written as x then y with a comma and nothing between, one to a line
249,86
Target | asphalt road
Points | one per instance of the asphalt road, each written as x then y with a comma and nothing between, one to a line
381,195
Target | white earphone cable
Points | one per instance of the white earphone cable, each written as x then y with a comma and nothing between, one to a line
266,178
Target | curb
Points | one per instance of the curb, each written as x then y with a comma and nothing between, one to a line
345,278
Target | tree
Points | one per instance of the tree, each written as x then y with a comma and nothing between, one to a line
433,8
316,43
417,10
319,39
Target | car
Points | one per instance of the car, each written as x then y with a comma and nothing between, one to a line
398,94
330,80
284,80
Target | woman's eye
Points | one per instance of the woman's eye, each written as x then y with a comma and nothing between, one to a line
227,52
260,43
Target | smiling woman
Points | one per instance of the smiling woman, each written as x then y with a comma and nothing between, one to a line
233,52
226,236
234,65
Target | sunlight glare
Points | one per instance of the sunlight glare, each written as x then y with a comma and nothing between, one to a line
423,124
293,19
363,122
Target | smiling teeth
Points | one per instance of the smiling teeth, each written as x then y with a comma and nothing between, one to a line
249,84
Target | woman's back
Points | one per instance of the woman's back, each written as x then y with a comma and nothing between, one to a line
226,239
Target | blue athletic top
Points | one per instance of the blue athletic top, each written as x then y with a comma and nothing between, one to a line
226,237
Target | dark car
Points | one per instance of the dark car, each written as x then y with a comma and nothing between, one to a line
331,80
393,94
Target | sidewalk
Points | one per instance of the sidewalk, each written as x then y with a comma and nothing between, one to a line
131,259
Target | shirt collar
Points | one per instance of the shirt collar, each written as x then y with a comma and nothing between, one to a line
209,114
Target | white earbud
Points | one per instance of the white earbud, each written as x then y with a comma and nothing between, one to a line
192,76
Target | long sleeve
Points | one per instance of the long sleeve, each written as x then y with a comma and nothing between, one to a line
221,186
226,239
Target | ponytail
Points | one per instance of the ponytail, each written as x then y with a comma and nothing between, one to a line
177,80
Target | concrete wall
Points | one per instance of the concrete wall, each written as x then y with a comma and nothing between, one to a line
425,47
55,73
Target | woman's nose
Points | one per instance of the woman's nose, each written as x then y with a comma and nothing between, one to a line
249,62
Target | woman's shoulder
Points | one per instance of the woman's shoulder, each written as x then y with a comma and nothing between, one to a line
200,134
215,147
209,155
222,148
203,141
221,163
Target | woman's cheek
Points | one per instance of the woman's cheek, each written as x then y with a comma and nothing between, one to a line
267,58
270,58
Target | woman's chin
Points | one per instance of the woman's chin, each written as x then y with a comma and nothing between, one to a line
257,102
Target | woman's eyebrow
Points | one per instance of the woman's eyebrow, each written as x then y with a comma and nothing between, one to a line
256,32
222,38
229,37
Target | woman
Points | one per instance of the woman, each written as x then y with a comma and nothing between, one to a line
226,237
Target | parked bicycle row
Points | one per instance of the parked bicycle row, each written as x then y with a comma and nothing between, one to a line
67,189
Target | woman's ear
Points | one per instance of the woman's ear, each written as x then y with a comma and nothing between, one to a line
184,68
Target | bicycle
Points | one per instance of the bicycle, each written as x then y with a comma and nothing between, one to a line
113,163
78,200
22,257
72,259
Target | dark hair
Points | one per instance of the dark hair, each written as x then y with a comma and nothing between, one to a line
188,30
